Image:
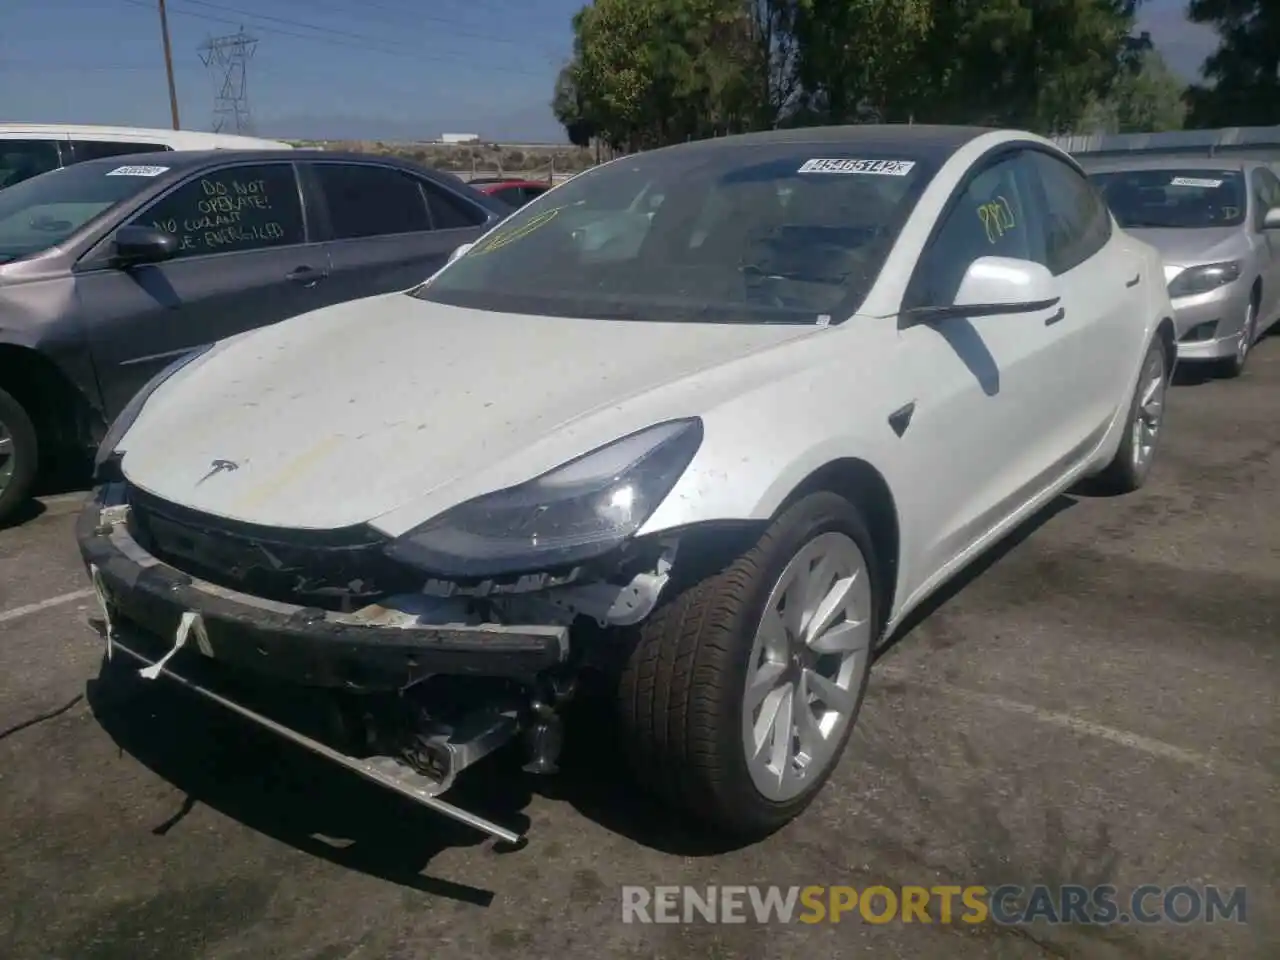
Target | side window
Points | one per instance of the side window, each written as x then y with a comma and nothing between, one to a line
231,210
1077,219
533,193
23,159
449,212
96,149
1266,194
511,195
990,218
371,201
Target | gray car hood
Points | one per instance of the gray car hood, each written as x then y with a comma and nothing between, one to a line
1195,245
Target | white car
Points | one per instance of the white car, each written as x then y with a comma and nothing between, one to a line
714,466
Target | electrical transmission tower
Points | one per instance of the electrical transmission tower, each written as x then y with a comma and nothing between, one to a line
229,58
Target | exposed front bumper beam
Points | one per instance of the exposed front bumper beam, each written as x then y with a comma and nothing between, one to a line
374,649
385,771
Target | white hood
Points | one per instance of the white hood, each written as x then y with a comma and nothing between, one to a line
343,415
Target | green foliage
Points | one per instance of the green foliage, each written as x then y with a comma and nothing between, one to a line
1244,72
652,72
1145,99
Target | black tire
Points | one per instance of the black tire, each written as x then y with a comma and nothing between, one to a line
1232,367
1125,474
681,691
25,454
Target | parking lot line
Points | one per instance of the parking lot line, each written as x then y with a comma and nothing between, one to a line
16,612
1134,741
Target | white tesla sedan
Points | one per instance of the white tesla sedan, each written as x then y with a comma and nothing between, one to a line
711,452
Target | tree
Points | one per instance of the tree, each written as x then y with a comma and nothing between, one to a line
1148,98
1035,64
570,109
856,58
1244,72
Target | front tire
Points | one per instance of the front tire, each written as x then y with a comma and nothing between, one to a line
1233,366
744,687
19,456
1128,471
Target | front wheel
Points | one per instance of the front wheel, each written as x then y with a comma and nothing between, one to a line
743,688
19,453
1233,366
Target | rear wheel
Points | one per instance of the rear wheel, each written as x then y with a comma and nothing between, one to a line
19,453
1128,471
743,689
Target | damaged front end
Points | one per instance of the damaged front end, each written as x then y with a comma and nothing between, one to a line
327,640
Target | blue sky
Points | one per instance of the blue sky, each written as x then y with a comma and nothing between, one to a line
390,69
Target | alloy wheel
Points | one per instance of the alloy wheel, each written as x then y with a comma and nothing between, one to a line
1150,408
8,457
808,660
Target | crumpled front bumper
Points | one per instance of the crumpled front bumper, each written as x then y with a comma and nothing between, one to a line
151,607
375,649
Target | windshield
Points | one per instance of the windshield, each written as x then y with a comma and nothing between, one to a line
42,212
1178,199
771,233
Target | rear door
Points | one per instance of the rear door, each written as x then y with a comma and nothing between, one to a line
244,261
1104,289
388,230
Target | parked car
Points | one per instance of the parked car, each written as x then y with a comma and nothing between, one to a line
111,268
1216,222
715,470
513,192
28,149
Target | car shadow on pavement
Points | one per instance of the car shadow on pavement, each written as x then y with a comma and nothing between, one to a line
280,790
977,568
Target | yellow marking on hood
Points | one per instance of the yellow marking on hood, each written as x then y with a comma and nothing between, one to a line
291,471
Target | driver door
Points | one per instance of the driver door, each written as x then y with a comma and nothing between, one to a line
243,262
990,397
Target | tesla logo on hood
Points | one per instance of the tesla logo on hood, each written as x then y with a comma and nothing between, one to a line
219,466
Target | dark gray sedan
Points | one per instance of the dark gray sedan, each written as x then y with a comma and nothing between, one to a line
110,269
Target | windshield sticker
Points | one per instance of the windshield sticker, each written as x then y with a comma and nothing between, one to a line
883,168
997,218
137,171
1194,182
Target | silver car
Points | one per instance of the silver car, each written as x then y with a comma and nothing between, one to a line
1216,222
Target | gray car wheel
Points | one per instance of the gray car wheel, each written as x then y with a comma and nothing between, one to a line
1234,365
19,454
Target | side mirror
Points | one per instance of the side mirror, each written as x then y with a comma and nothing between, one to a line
1005,285
1271,220
135,244
459,252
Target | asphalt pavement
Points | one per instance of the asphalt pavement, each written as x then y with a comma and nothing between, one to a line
1095,704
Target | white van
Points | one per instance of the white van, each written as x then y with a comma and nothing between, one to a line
27,149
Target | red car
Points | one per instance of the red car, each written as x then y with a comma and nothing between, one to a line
511,191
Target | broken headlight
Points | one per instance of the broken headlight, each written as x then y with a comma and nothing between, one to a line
578,511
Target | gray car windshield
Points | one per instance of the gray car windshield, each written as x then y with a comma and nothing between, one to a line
42,212
768,233
1176,199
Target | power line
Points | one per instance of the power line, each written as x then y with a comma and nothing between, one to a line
336,38
231,55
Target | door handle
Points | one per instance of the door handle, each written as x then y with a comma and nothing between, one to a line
1060,315
1134,282
307,276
